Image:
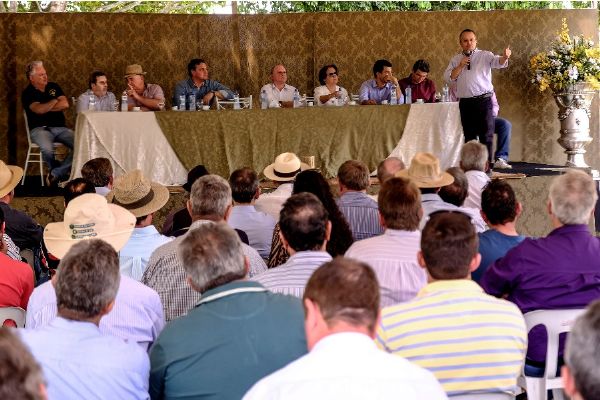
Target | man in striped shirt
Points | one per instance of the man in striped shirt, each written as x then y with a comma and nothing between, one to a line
472,342
393,255
305,230
359,209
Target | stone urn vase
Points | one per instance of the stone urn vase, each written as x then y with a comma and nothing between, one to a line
574,115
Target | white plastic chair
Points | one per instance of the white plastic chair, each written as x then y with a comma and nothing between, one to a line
484,396
555,322
16,314
245,103
34,153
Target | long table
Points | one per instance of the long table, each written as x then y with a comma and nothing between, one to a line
164,145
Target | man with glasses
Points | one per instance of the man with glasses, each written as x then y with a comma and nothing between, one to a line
380,88
279,93
421,86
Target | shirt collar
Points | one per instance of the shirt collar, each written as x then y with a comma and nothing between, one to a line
567,229
231,286
431,197
145,231
310,254
73,325
451,285
341,342
401,233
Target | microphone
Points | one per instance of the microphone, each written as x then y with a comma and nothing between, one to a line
468,54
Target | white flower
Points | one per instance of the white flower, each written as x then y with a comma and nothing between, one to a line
573,73
556,63
551,53
538,78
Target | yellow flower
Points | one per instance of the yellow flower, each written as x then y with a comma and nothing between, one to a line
563,35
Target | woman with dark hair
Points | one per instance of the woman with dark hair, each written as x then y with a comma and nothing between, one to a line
329,93
312,181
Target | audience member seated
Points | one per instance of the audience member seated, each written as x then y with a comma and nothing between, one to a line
99,171
500,210
278,92
474,161
425,171
341,303
379,89
16,277
282,172
580,374
198,85
21,376
393,255
98,90
78,361
388,168
359,209
137,315
146,96
329,93
305,230
456,193
75,188
210,200
235,334
311,181
245,190
44,103
472,342
560,271
421,87
142,198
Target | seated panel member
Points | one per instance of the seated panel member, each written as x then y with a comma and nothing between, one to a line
421,86
378,89
147,96
329,93
279,93
98,87
199,85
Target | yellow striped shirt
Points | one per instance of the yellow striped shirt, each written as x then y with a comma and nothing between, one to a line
470,341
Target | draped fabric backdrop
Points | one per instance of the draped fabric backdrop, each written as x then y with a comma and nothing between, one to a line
241,49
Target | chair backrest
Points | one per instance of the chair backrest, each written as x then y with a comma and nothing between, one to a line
16,314
27,128
245,103
484,396
555,322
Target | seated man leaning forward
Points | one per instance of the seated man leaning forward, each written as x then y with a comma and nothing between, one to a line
279,93
98,90
146,96
235,334
472,342
199,86
379,89
421,87
341,303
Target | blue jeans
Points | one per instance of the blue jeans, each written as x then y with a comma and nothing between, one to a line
45,136
503,128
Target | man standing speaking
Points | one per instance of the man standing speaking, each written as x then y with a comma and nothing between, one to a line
472,72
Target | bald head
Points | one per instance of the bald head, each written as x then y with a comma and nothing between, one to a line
388,168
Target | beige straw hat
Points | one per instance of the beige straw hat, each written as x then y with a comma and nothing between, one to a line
137,194
285,168
134,69
425,171
10,175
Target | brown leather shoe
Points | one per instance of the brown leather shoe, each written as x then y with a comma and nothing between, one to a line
51,180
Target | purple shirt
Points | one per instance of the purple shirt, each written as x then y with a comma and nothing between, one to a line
477,80
370,91
152,91
424,90
560,271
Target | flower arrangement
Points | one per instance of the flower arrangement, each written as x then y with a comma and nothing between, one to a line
568,61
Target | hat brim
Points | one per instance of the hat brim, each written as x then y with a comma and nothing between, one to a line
58,241
269,172
160,198
443,180
16,175
134,73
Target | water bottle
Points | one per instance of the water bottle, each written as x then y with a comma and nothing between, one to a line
303,100
182,102
393,98
408,95
264,100
445,94
296,99
236,101
192,102
92,103
124,102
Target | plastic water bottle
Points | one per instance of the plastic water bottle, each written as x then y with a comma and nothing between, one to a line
445,94
182,102
124,105
192,102
236,101
296,99
408,95
264,100
92,103
393,98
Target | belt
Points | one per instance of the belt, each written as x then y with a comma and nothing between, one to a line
481,96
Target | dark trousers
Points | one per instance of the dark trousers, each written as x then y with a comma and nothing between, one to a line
478,121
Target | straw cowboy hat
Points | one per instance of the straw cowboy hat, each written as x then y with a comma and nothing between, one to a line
10,175
134,69
285,168
89,216
425,171
137,194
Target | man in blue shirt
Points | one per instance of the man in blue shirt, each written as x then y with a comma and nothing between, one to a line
199,85
378,89
238,332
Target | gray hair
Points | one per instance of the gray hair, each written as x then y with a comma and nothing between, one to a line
573,197
583,352
30,68
88,279
212,255
20,374
387,168
210,195
473,156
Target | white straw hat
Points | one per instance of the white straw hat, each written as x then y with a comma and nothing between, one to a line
137,194
285,168
10,175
